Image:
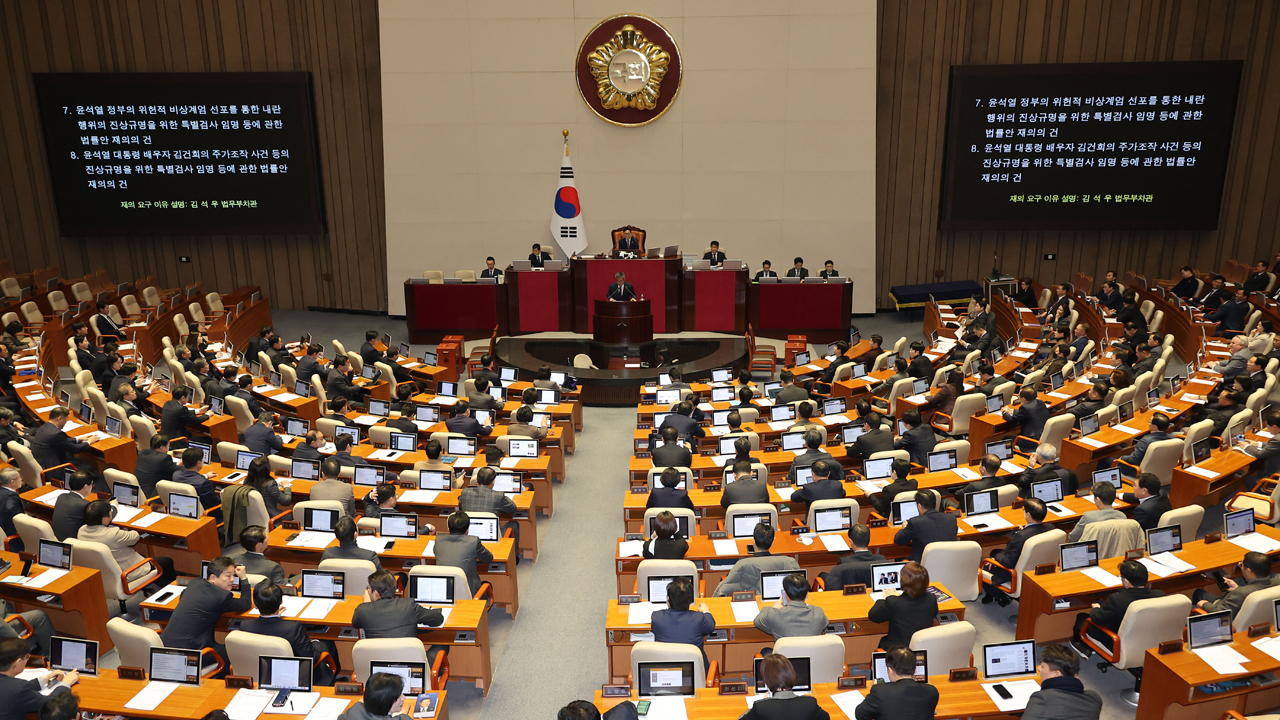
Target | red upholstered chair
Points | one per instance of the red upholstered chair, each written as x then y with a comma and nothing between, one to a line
636,232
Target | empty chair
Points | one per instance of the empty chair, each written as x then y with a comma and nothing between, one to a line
465,275
32,530
825,653
228,451
954,565
950,646
300,508
133,642
1160,459
957,423
338,347
1266,508
582,360
57,302
434,277
1188,518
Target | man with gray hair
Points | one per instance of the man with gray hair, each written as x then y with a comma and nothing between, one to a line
1237,363
1044,466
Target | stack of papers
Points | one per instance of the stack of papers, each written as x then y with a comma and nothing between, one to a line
1020,690
463,462
328,708
720,460
1060,395
1257,542
374,543
443,400
847,701
1224,659
1156,568
290,606
508,463
1201,471
149,520
1102,577
744,612
871,487
312,539
317,609
150,697
834,543
365,419
424,497
641,613
285,397
631,548
966,474
51,497
830,420
919,398
725,547
780,424
249,704
430,549
1173,562
1010,467
124,513
1130,430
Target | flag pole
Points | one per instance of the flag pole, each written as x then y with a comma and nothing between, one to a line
566,142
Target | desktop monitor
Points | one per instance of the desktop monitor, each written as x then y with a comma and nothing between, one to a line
524,448
904,510
721,375
1077,555
803,683
508,374
405,350
398,525
296,427
175,665
981,502
1109,475
880,666
54,554
274,379
508,483
351,432
319,519
1007,659
368,475
182,505
850,433
1047,490
561,378
1164,539
831,519
244,457
802,358
834,406
804,475
771,389
404,442
461,446
1089,424
722,394
878,469
793,440
886,575
430,357
485,528
942,460
431,589
304,469
379,408
744,526
327,584
1203,448
1002,449
413,674
681,520
1237,523
73,654
126,494
782,412
995,403
1209,629
86,412
667,397
665,678
427,414
1056,381
277,672
435,480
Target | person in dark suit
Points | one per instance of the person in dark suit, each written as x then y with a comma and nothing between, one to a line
685,420
1258,279
621,290
258,343
1110,612
155,464
309,448
823,486
744,488
1031,415
1151,504
347,549
380,500
714,256
338,382
175,415
841,360
1157,430
21,697
766,271
828,270
929,526
790,392
1059,307
798,269
628,242
342,453
383,615
1043,465
85,354
671,453
812,453
368,353
488,369
918,440
1061,695
667,495
666,543
1231,314
192,464
460,550
1215,294
267,598
480,397
902,698
783,704
11,505
253,543
104,364
244,392
1094,400
1110,296
68,509
678,624
1255,573
490,269
127,398
538,257
128,376
1079,340
1268,453
912,609
1187,284
404,423
987,467
900,482
202,605
338,408
309,364
50,446
10,429
261,437
1034,511
874,439
104,323
854,568
460,421
278,355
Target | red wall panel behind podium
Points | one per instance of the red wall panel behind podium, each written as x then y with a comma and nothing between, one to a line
715,300
540,302
648,276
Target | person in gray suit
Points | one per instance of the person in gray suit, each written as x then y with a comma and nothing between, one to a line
1268,453
1104,493
253,540
68,509
929,526
345,531
790,392
1238,362
460,550
383,615
745,574
334,488
480,397
261,437
813,453
791,616
1256,575
744,488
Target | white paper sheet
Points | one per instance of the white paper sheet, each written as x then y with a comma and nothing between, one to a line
424,497
966,474
1268,645
386,454
312,539
666,708
1092,443
1010,467
176,591
430,549
720,460
328,709
249,704
1156,568
641,637
780,424
1224,659
463,462
1021,691
1060,395
834,543
1101,576
871,487
285,397
45,578
991,521
373,543
509,463
317,609
725,547
150,697
847,701
1170,560
147,520
1020,355
299,703
1130,430
1257,542
631,548
1061,511
442,400
365,419
51,497
641,613
830,420
785,493
745,612
125,514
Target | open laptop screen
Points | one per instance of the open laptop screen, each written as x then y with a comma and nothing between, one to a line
1209,629
323,584
1077,555
175,665
665,678
368,475
431,589
886,575
1009,658
284,673
73,654
414,674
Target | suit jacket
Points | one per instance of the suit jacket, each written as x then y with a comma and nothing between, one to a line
1113,300
331,489
154,466
1140,448
1230,315
107,326
883,500
260,565
1055,304
1118,602
494,273
255,408
745,574
809,457
394,618
1233,366
690,627
665,548
983,483
51,447
539,260
481,400
175,416
1063,698
716,257
403,424
68,516
260,438
919,441
787,706
303,451
1131,313
869,443
1086,408
307,367
801,273
943,401
205,491
463,551
684,424
477,498
905,699
1256,282
20,697
663,497
337,385
747,490
1008,557
281,357
86,358
350,551
1031,417
795,619
905,616
466,425
818,490
521,429
625,291
487,374
1069,485
1186,288
631,244
370,354
835,365
932,526
101,369
1091,517
790,394
853,569
671,456
1235,598
1269,454
291,631
920,367
1149,511
768,274
11,505
200,607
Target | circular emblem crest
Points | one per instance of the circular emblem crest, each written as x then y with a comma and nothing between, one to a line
628,70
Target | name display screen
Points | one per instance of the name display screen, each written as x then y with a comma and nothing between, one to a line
1096,146
181,153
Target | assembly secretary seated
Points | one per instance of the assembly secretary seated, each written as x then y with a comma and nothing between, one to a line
621,290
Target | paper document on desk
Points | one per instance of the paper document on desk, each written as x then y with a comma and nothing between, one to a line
373,543
1060,395
249,704
1020,690
124,513
147,520
365,419
720,460
508,463
312,539
264,388
919,398
1156,568
173,590
785,493
328,709
871,487
1092,443
299,703
1101,576
706,407
830,420
834,543
1021,355
641,613
744,612
1060,510
285,397
1130,430
430,549
424,497
327,449
725,547
631,548
442,400
1257,542
666,708
780,424
813,367
1268,645
989,522
51,497
718,430
1164,409
463,462
317,609
386,454
1224,659
1174,562
444,614
45,578
43,410
28,383
35,674
34,397
1009,467
847,701
1197,399
150,697
966,474
1194,470
641,637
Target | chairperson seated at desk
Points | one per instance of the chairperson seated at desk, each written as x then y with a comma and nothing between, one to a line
912,609
665,545
621,290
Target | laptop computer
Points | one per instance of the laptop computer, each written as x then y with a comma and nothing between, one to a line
73,654
744,526
1164,539
398,525
431,589
886,575
831,519
414,674
981,502
175,665
182,505
278,672
485,528
1008,659
304,469
319,519
1209,629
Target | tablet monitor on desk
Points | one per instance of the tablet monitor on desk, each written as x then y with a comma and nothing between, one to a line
880,666
1209,629
664,379
404,442
1002,449
1008,659
351,432
461,446
274,379
73,654
942,460
86,412
981,502
831,519
379,408
920,385
326,584
508,374
126,494
303,388
404,350
427,414
431,589
414,674
430,357
833,406
720,418
659,418
54,554
561,378
497,393
1203,448
850,433
304,469
658,679
548,396
681,520
1109,475
730,476
878,469
771,389
175,665
902,427
215,405
1049,491
278,672
903,510
185,506
524,448
507,483
1164,539
722,394
485,528
804,475
886,575
447,389
319,519
368,475
744,526
802,358
112,426
1077,555
1125,410
803,683
244,458
793,440
658,587
1237,523
1089,424
726,445
782,412
398,525
667,397
435,480
1056,381
1153,397
721,375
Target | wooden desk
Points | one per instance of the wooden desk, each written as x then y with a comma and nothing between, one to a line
1038,619
770,310
622,323
118,453
656,279
78,606
1083,457
1170,682
1228,468
501,573
468,309
734,653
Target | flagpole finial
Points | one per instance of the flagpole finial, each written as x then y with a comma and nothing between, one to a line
566,142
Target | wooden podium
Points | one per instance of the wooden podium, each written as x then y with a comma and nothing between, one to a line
622,323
